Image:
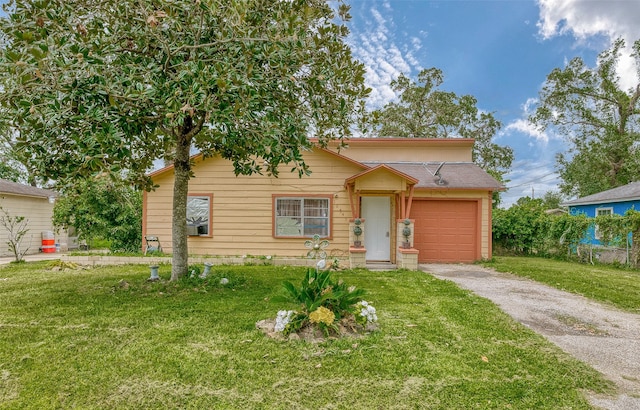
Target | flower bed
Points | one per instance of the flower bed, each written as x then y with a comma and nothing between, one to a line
328,309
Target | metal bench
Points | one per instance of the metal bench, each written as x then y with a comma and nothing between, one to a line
152,244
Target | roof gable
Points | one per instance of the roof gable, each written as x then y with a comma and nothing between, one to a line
629,192
14,188
381,177
423,174
200,157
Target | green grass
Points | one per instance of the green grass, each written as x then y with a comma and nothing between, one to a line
107,338
619,287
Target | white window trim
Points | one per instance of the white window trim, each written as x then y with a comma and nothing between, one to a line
596,230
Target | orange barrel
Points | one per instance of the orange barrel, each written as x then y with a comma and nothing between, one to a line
48,242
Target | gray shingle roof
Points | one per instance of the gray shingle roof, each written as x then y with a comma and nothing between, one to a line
9,187
629,192
458,175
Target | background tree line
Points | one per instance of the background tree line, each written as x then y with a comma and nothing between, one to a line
528,228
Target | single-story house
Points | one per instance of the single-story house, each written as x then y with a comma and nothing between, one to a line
380,182
33,203
614,201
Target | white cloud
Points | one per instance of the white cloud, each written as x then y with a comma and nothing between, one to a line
529,178
384,54
535,175
416,42
523,126
587,19
529,106
584,19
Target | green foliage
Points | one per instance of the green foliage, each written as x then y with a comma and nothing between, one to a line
112,340
520,228
316,290
600,120
213,281
102,208
10,168
126,95
565,232
425,111
9,172
552,199
525,229
612,229
616,230
113,85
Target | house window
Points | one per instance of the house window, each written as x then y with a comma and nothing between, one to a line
199,215
601,212
301,217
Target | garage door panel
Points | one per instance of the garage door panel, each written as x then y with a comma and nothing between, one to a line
446,230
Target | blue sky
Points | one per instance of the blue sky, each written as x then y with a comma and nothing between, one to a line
499,51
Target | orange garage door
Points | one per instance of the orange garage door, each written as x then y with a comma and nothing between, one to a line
446,231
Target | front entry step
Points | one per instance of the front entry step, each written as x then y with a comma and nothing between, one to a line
381,266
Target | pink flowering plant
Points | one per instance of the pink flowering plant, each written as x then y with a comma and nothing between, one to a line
325,304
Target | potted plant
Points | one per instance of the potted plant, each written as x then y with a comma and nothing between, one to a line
357,231
406,232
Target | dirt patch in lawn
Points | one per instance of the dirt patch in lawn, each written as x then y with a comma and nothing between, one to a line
346,328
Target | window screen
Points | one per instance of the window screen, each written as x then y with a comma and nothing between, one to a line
302,217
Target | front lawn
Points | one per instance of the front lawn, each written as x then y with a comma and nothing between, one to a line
107,338
619,287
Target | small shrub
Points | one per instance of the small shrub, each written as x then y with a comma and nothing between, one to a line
324,303
17,228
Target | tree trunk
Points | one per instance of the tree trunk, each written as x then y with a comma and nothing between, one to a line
182,168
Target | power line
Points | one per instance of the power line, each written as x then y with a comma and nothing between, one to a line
533,180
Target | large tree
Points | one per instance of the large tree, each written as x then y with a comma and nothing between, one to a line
600,121
102,86
424,110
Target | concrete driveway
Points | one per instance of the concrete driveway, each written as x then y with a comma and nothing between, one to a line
32,258
605,338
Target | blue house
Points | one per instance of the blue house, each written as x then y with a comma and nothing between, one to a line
614,201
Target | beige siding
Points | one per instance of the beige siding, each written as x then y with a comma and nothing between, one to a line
39,213
380,180
242,215
409,150
243,207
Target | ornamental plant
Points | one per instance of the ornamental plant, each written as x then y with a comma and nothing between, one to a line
324,303
366,313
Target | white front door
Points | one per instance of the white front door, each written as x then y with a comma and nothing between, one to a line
376,212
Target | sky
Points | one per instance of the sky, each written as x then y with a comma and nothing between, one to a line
500,52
